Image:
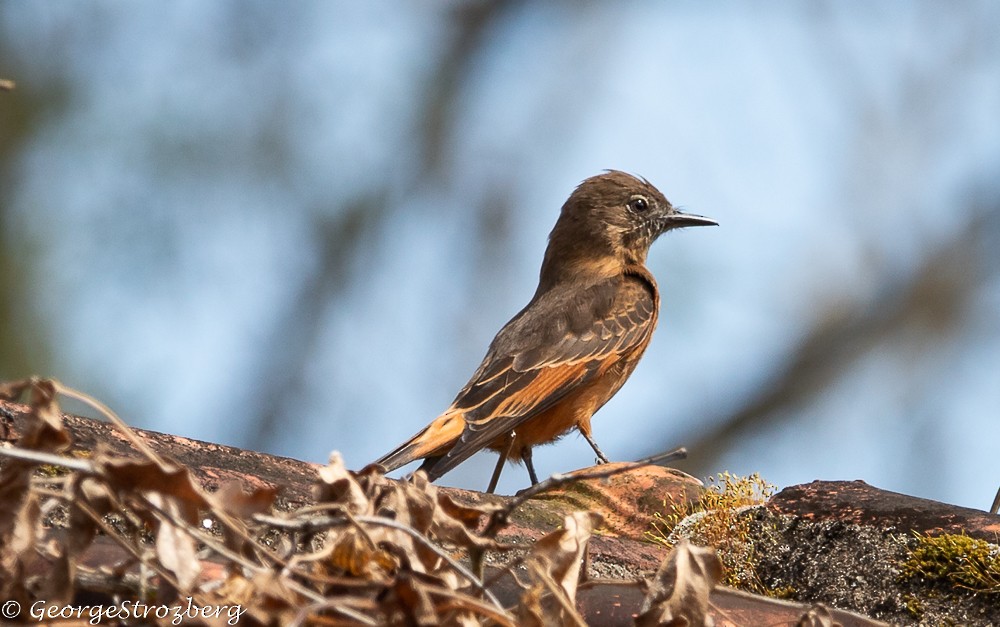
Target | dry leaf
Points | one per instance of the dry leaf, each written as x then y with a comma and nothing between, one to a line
561,552
18,549
52,436
57,586
237,502
416,601
82,528
353,554
398,501
12,390
175,547
464,619
234,507
338,485
167,478
14,485
554,566
530,612
679,593
420,496
19,515
457,523
45,433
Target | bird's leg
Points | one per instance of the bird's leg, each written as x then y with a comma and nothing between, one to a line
601,457
526,456
500,462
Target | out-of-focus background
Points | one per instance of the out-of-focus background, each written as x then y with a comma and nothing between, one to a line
296,228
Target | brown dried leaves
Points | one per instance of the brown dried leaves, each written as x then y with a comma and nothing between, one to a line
679,593
554,569
20,514
370,551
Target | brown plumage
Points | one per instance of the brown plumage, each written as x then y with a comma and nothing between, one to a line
574,345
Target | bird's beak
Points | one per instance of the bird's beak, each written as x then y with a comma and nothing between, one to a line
677,220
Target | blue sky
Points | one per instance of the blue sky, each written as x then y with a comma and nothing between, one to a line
178,203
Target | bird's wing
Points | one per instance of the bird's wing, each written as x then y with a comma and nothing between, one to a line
559,343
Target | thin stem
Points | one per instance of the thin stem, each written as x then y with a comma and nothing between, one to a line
330,521
111,416
499,518
49,459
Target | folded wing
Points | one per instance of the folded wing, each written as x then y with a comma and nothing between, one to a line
560,342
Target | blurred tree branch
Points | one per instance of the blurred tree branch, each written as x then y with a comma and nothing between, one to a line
24,347
934,298
280,371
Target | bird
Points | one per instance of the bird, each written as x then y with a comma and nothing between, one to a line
571,348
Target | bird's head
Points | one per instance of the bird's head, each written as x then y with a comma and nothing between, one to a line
614,217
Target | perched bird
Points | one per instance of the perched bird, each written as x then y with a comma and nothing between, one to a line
573,346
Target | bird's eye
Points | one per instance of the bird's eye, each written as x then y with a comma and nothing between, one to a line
638,204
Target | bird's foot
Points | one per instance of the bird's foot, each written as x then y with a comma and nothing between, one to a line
601,457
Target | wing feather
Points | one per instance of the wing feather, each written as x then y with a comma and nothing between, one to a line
559,342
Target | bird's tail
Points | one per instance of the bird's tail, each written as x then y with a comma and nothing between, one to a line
434,439
403,454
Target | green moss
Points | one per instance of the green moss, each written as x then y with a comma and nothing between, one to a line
715,520
955,559
781,592
51,471
914,605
